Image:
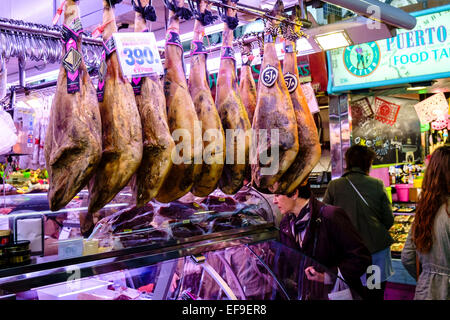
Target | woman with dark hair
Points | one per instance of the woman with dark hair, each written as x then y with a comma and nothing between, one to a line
325,234
365,201
428,242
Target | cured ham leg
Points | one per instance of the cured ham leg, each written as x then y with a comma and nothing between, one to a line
274,111
182,119
73,143
309,145
247,85
122,130
214,137
233,115
157,140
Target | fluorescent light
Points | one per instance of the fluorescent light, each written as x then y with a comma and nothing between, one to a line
34,103
333,40
48,76
304,47
190,35
415,88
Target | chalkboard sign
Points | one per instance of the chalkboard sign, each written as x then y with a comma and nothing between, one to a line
396,143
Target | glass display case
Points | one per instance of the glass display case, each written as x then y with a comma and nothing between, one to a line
217,247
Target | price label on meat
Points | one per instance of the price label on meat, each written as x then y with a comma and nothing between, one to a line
291,81
138,54
269,76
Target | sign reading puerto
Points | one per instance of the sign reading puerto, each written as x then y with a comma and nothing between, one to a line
420,54
138,54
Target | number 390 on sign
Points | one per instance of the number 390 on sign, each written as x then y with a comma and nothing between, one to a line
139,56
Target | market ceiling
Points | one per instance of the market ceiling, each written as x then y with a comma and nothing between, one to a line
91,12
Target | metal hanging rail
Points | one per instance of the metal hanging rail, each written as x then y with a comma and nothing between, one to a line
258,12
40,29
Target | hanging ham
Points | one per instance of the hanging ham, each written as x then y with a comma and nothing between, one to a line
309,145
73,142
247,85
182,117
214,138
157,140
274,111
121,125
233,115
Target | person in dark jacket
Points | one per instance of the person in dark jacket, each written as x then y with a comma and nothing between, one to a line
365,201
325,234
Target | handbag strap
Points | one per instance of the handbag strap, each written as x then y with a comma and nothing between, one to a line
359,194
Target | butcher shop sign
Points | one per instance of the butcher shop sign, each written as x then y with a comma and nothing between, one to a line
421,54
138,54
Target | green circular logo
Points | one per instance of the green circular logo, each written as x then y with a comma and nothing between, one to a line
362,60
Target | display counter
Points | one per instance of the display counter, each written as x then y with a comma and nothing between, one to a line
217,247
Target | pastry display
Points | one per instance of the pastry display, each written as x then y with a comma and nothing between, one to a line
399,231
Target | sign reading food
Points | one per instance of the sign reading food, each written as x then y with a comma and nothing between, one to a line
420,54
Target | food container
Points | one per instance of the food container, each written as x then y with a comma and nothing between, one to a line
418,182
3,257
5,237
18,253
403,192
18,258
90,247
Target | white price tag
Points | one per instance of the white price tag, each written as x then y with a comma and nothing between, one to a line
138,54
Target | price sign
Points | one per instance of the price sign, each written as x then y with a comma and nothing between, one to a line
138,54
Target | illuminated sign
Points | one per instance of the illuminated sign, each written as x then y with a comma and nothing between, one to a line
421,54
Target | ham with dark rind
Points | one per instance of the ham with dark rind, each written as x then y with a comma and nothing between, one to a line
212,131
274,111
157,140
309,145
182,118
234,118
122,129
73,142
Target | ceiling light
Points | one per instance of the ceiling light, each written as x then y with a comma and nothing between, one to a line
415,88
333,40
419,85
304,47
